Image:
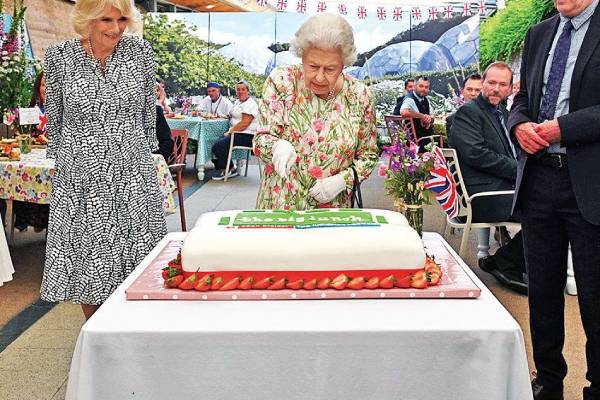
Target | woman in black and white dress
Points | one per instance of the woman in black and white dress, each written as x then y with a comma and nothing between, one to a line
243,122
106,210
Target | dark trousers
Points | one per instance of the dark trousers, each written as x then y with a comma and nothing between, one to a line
221,147
551,220
511,256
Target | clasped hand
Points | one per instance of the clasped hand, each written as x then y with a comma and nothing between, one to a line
284,156
535,137
325,190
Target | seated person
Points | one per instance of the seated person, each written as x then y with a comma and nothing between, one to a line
409,86
163,134
214,105
243,122
470,90
488,162
162,96
416,106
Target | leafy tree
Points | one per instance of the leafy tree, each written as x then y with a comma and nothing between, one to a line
187,63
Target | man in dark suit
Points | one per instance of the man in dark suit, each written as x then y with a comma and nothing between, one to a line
471,88
487,159
409,86
416,106
556,119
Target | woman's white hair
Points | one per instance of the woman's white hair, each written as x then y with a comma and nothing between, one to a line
87,10
325,31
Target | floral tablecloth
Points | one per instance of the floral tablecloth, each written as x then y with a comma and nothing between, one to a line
206,132
30,179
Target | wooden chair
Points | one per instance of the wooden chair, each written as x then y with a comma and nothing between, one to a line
249,150
464,219
395,124
177,164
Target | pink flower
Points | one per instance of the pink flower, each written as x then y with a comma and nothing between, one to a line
383,170
311,139
322,157
269,169
321,138
316,172
289,185
338,107
318,125
277,189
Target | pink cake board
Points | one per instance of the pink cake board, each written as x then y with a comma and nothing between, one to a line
455,283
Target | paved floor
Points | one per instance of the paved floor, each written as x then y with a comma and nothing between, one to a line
34,364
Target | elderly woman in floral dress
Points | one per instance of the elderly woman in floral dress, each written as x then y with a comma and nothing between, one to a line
316,123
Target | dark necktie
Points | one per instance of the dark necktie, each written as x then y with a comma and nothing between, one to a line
557,72
500,118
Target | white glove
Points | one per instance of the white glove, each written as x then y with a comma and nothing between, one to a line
327,189
284,156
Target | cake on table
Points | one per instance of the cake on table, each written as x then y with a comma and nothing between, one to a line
303,250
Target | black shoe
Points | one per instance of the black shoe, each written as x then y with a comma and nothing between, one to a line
487,264
510,279
541,392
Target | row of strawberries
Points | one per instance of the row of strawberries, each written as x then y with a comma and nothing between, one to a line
173,276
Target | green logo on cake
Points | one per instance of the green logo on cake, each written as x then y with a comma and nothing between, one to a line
304,219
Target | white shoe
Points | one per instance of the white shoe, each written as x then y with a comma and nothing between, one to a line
221,176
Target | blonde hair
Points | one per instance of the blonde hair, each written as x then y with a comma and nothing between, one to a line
325,31
87,10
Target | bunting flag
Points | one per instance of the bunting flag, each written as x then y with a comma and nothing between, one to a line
301,6
481,7
261,3
466,9
281,5
381,15
322,7
433,12
342,9
361,12
398,14
448,11
416,13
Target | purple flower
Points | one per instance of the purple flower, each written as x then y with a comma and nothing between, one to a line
412,168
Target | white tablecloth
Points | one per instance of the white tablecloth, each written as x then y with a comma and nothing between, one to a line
395,349
6,265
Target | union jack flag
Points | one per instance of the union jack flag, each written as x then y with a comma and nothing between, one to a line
342,9
261,3
448,11
281,5
301,6
362,12
398,14
416,13
433,12
381,13
322,7
481,7
466,9
441,182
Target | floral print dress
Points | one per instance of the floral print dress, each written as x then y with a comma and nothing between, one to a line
330,137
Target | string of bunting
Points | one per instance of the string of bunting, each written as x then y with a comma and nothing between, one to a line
382,13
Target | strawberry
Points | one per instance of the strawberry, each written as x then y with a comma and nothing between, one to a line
388,282
263,283
324,283
340,277
296,285
204,283
169,272
357,283
372,283
340,282
189,283
217,283
232,284
310,285
277,285
434,279
175,263
419,280
404,282
174,281
246,283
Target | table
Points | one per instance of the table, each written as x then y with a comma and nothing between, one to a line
206,132
30,180
381,349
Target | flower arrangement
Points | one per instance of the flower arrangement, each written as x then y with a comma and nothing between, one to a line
406,175
17,71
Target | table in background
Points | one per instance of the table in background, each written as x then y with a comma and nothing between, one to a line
378,349
30,180
206,132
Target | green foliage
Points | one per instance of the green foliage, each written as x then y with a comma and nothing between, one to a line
503,34
187,63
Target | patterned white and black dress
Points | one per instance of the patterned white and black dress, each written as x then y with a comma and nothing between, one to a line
106,209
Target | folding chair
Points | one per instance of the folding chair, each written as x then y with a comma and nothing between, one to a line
249,150
177,164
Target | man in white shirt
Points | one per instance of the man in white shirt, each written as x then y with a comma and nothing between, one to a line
214,105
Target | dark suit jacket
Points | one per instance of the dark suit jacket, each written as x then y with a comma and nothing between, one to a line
485,158
580,129
399,101
163,134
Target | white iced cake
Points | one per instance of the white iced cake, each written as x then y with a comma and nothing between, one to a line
315,240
